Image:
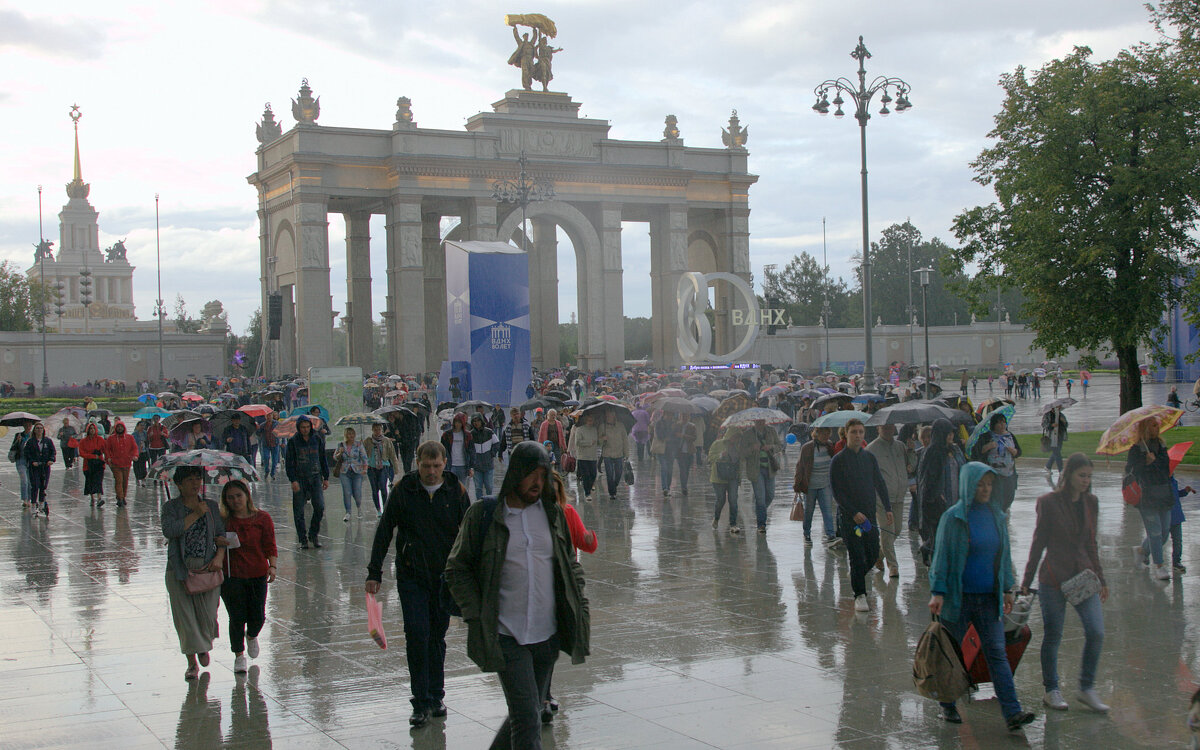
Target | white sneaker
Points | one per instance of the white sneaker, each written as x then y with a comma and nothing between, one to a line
860,603
735,530
1092,701
240,664
1054,699
346,519
1162,572
252,647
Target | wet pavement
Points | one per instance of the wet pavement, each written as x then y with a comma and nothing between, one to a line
700,639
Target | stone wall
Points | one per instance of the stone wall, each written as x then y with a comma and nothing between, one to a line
127,355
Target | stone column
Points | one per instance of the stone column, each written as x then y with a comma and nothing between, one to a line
614,306
543,286
314,305
287,332
436,342
735,241
405,317
480,220
266,267
359,314
668,261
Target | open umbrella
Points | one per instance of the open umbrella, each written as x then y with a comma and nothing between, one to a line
1058,403
359,418
836,419
868,398
468,407
675,406
750,416
18,418
707,403
256,410
1123,433
147,398
178,417
1176,453
54,422
149,412
985,425
914,412
601,409
322,412
191,396
286,428
219,467
992,403
962,369
1040,372
732,405
383,411
820,402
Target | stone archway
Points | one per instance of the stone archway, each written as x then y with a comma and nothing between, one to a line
597,313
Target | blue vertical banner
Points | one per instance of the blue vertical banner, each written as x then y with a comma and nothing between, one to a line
487,320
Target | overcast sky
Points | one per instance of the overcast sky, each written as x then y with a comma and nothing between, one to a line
171,91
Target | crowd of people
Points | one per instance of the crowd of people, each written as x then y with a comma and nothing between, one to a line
507,561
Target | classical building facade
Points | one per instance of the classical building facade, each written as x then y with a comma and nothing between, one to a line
695,201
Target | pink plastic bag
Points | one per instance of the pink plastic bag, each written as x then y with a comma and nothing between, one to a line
375,621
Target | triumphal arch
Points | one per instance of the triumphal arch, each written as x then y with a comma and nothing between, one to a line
695,201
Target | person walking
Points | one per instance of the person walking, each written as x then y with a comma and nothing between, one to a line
483,462
665,448
1000,449
350,464
1054,434
937,482
859,488
196,543
641,431
16,455
156,439
251,569
1149,464
457,442
120,451
520,588
38,454
892,457
236,439
268,445
614,451
516,431
584,445
68,438
141,462
812,482
725,474
196,438
424,512
307,469
381,455
1065,533
555,431
761,463
91,452
970,580
689,438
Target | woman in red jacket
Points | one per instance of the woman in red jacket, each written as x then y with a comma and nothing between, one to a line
91,453
251,568
120,451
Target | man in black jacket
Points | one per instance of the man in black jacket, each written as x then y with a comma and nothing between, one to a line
856,480
424,511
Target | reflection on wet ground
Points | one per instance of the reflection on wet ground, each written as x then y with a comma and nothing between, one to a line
700,639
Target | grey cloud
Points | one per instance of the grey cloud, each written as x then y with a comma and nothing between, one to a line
72,39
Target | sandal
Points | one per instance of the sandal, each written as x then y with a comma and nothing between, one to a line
192,672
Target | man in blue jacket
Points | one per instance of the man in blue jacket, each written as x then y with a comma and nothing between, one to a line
307,469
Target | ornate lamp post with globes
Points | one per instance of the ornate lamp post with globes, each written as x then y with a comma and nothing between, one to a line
860,96
522,191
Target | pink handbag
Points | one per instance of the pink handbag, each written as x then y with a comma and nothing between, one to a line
375,621
200,581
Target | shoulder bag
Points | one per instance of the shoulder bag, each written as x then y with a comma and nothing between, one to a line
200,581
1131,490
1080,587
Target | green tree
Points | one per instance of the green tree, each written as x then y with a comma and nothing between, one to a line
183,322
802,288
20,300
890,278
1095,171
251,342
568,343
638,334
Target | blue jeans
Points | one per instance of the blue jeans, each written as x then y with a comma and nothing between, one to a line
764,494
310,491
1054,610
822,497
666,467
425,624
483,483
614,471
685,467
525,680
270,459
461,473
1158,527
726,491
980,610
351,487
23,473
1055,458
379,487
585,470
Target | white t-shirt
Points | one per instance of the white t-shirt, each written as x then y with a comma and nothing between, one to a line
457,455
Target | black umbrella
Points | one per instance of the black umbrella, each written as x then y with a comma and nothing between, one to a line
676,405
446,405
178,417
557,394
601,409
539,402
18,418
383,411
223,419
468,407
820,402
914,412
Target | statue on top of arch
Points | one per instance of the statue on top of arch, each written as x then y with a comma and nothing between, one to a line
42,250
534,56
116,252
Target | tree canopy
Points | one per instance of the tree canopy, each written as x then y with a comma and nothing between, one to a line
1095,168
19,299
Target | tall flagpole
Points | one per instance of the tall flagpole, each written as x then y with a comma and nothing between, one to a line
42,280
159,310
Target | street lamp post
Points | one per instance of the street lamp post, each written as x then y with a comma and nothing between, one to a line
159,311
43,248
861,97
910,311
924,276
1000,310
826,311
522,191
